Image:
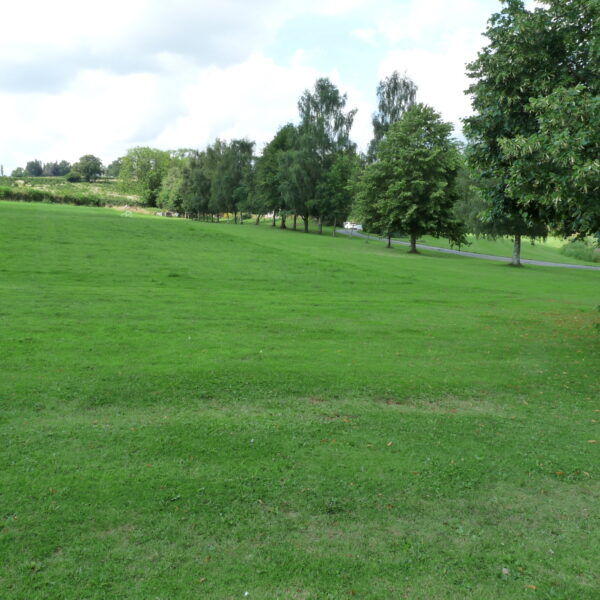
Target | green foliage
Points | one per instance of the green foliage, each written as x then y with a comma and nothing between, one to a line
529,96
471,206
323,120
196,189
88,168
114,169
582,249
230,168
74,176
395,94
56,190
324,138
269,169
410,188
171,193
28,194
142,172
558,165
34,168
56,169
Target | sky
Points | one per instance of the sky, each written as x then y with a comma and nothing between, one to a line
181,73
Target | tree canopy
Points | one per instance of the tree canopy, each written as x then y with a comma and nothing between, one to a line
537,64
410,188
395,95
88,167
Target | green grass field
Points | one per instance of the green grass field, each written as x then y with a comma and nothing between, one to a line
195,410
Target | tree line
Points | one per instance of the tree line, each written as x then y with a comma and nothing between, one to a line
530,165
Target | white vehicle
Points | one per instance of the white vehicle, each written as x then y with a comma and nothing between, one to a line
355,226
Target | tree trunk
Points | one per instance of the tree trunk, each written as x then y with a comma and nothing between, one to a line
305,223
257,222
274,219
282,226
516,257
295,220
334,223
320,225
413,244
389,244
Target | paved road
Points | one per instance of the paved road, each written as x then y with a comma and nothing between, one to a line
525,261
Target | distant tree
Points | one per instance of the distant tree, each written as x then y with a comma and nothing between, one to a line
410,188
171,194
395,94
114,169
197,185
334,187
50,169
63,168
74,176
18,172
56,169
88,167
142,172
267,184
34,168
325,132
230,171
1,170
299,172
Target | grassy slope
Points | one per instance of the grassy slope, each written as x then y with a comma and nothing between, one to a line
193,410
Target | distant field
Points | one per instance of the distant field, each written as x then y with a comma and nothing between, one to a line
193,410
59,190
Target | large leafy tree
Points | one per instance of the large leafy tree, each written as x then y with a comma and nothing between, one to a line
410,188
516,141
395,95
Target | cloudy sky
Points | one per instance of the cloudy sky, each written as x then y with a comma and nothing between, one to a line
181,73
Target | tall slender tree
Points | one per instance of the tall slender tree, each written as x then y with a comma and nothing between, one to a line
325,133
395,95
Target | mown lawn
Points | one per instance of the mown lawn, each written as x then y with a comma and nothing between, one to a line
191,410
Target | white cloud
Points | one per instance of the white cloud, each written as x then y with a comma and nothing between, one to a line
181,73
251,100
368,34
448,36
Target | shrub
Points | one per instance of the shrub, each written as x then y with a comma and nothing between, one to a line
581,250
